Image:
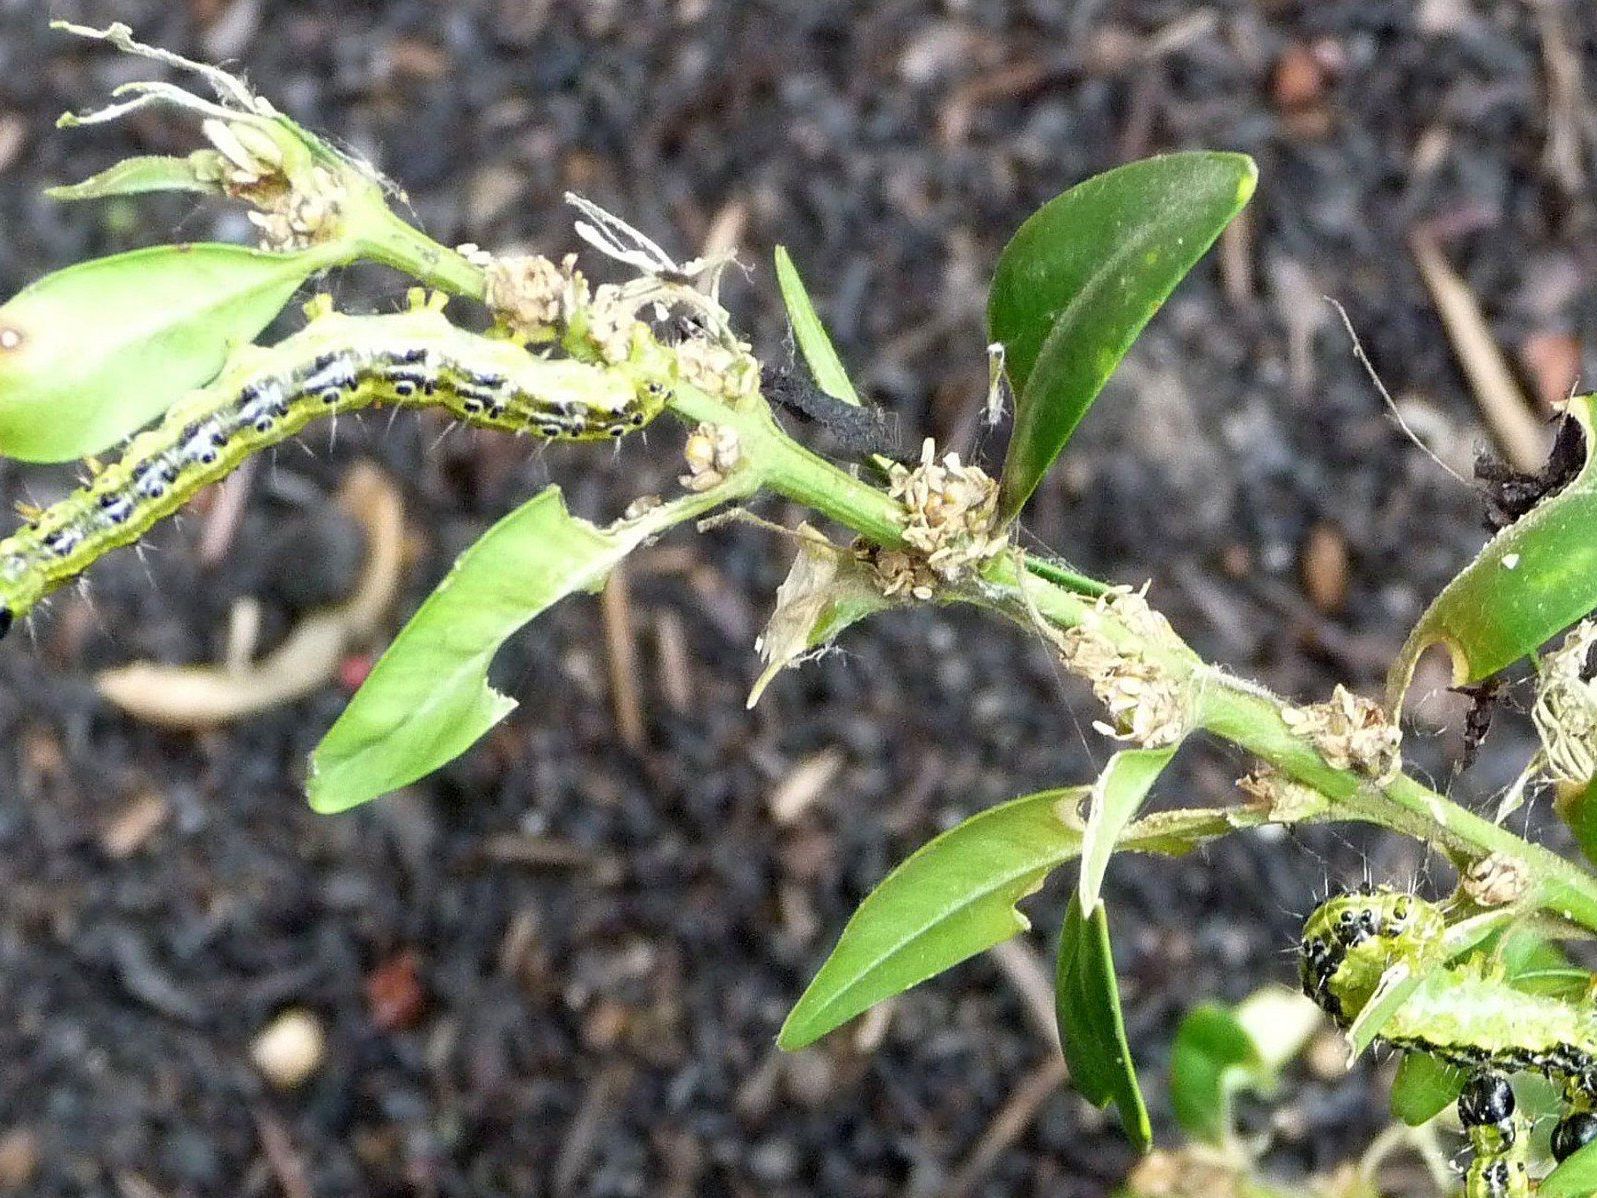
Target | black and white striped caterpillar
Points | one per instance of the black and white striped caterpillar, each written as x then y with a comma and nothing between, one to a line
1465,1014
337,363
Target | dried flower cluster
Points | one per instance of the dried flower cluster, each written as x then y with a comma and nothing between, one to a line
1565,712
712,452
1350,732
1149,706
949,512
1283,799
1497,880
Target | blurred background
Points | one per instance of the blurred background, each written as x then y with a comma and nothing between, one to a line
558,966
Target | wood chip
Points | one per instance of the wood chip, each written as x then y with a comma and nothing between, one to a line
127,831
1008,1125
804,784
196,697
616,608
1323,564
19,1158
1520,434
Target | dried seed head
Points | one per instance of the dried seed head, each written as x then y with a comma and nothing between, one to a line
1565,712
1283,799
727,370
530,294
949,513
1147,704
1497,880
294,217
712,452
1351,732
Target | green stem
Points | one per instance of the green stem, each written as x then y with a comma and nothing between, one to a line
381,236
1026,588
1226,707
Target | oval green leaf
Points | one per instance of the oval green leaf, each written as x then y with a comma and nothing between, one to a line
1534,579
1575,1178
1091,1027
1213,1055
93,352
428,700
952,899
1117,796
1083,276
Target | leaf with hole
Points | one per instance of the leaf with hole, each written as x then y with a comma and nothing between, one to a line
1533,579
428,699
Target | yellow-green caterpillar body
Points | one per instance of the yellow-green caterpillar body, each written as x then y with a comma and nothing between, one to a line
336,364
1465,1014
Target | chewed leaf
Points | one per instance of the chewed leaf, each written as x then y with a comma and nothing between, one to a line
810,333
826,590
428,700
1091,1027
1534,579
1396,985
151,172
1082,277
1116,798
90,353
953,899
1423,1088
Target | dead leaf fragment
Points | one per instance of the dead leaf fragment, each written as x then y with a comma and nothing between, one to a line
195,697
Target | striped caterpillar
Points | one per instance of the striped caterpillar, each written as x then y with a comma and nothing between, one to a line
1466,1015
337,363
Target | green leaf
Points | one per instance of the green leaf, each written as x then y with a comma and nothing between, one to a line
953,899
1213,1056
1116,798
1534,579
1394,989
1575,1178
93,352
1577,807
1083,276
1423,1088
1091,1028
813,342
147,173
428,700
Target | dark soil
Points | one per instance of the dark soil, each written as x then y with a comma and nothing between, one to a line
558,966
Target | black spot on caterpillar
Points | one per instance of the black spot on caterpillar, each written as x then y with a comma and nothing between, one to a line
1466,1015
336,364
863,430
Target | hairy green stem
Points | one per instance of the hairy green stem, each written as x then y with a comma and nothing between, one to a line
1026,589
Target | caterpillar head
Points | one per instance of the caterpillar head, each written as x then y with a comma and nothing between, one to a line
1352,939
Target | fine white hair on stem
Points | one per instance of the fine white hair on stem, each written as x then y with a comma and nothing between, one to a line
1391,405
